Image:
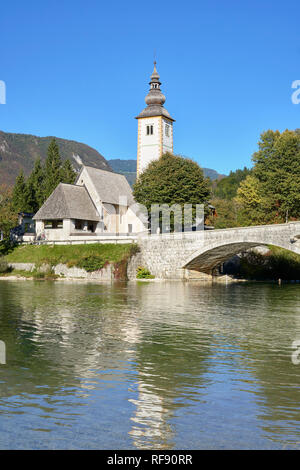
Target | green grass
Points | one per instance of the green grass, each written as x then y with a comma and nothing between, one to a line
71,255
144,273
36,275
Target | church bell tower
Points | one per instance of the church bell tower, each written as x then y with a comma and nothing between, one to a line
155,126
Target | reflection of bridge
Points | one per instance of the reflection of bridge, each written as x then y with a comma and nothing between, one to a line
167,255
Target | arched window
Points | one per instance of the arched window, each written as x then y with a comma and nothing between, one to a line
149,129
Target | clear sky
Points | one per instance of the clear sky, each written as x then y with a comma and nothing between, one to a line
80,70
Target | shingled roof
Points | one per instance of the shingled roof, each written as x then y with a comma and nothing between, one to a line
68,202
110,186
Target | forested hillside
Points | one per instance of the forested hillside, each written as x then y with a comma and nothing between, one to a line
20,151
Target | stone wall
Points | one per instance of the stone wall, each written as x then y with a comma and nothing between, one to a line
104,274
171,256
22,266
134,262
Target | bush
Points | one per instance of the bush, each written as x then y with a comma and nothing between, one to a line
134,249
3,266
6,246
91,263
143,273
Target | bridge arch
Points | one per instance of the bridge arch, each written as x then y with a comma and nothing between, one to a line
207,259
167,256
219,247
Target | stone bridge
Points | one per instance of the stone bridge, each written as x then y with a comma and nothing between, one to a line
172,256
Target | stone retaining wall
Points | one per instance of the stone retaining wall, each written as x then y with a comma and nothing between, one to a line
104,274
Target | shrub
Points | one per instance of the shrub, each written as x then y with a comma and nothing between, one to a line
6,246
143,273
38,275
134,249
3,266
91,263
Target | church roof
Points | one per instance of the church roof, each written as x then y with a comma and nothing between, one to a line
156,110
110,186
68,202
155,99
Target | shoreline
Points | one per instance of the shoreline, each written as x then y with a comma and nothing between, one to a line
218,280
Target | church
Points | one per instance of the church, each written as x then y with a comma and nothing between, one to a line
100,203
155,126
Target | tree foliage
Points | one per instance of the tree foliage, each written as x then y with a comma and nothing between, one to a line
270,191
277,168
172,180
30,194
19,193
227,187
8,215
226,213
250,202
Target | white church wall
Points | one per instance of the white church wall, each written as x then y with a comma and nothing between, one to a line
167,133
84,180
132,219
149,146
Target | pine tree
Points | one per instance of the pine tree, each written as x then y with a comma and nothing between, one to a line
19,191
8,216
52,169
68,175
35,187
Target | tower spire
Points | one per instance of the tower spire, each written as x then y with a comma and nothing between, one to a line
155,99
155,125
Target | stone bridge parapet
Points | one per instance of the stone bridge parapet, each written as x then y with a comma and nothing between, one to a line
169,256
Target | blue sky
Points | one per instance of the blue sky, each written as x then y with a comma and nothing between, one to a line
80,70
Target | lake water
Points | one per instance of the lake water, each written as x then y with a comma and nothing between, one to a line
149,365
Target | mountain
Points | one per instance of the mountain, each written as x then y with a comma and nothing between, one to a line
213,174
125,167
128,168
19,151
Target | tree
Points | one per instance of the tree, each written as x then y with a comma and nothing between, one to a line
8,215
227,187
19,192
277,168
53,166
225,213
250,202
29,195
68,175
35,188
172,180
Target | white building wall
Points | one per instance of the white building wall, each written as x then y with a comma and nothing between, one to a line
137,224
54,234
149,146
84,180
167,140
128,217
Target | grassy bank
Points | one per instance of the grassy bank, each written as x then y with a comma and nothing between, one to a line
90,257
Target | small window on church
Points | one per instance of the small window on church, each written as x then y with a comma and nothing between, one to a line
167,130
149,130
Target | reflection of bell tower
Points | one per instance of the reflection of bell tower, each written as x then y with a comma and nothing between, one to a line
155,126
